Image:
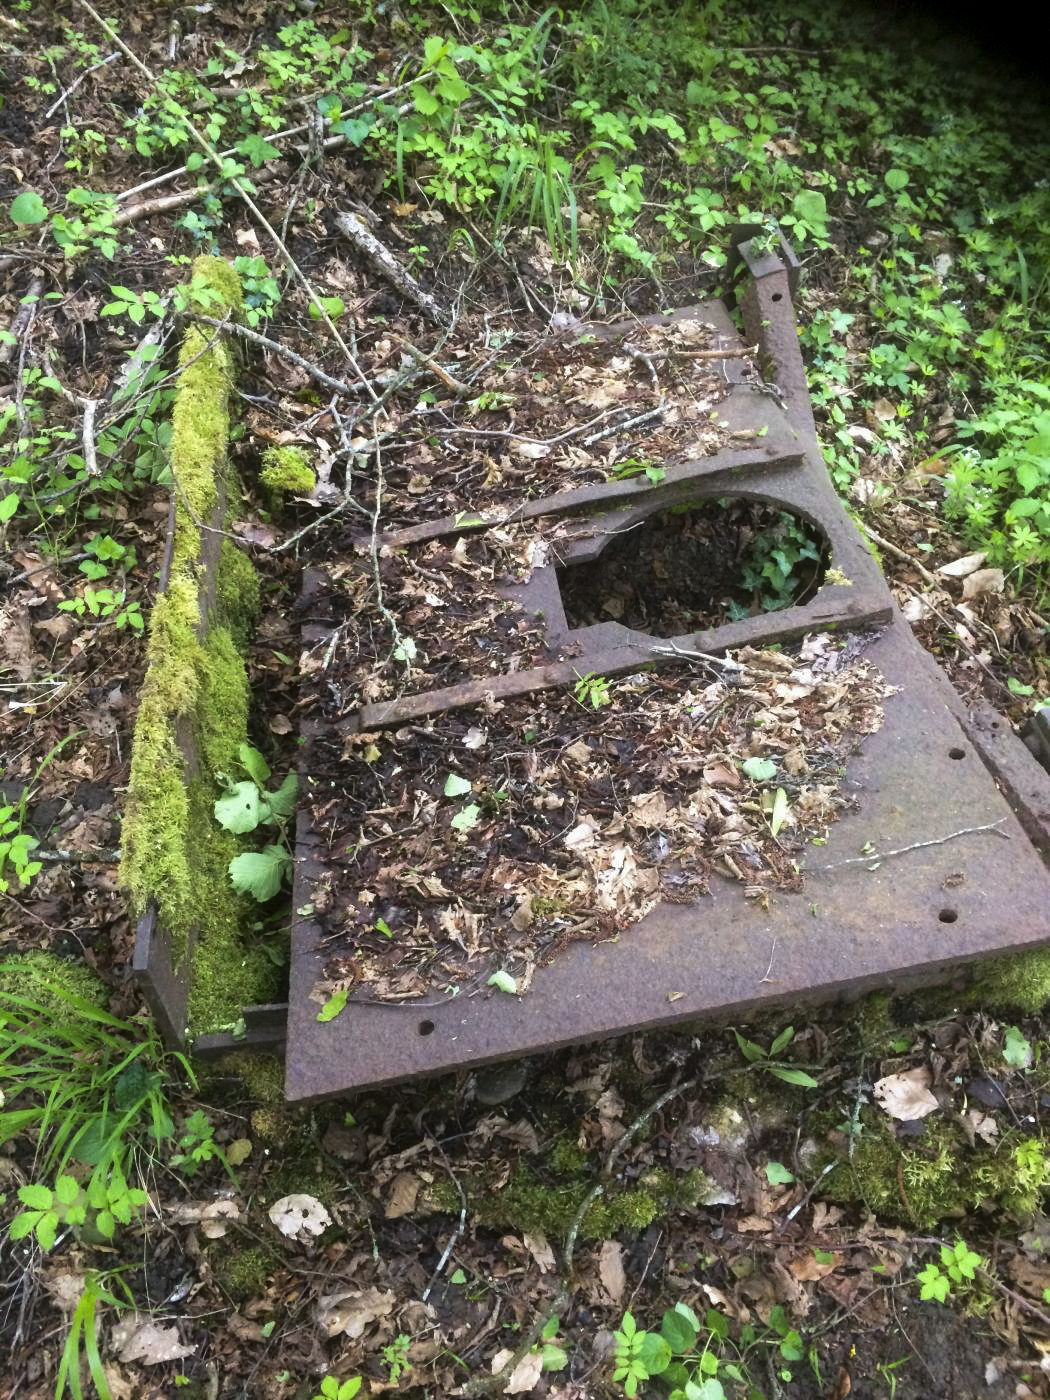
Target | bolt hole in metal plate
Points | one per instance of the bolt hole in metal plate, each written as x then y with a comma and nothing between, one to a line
867,917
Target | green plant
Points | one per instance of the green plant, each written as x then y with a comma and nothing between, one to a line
632,467
775,563
958,1267
396,1359
134,305
247,805
888,1371
593,691
197,1146
768,1060
97,1293
106,604
16,847
106,1202
704,1361
332,1389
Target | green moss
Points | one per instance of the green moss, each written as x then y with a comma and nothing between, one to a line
287,469
567,1156
528,1203
1020,983
35,975
922,1181
261,1075
237,593
244,1273
223,712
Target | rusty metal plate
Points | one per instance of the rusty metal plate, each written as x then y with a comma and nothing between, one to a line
861,922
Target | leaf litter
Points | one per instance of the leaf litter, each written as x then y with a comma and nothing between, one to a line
583,821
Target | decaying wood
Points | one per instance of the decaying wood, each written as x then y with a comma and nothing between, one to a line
384,259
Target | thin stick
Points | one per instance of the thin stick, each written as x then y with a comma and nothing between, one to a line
110,58
623,427
23,318
885,544
879,856
447,379
339,385
257,214
461,1225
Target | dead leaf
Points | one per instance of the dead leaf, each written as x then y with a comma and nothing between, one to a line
350,1313
403,1195
280,724
983,581
610,1268
526,1374
214,1217
906,1096
300,1217
138,1337
541,1252
239,1151
959,568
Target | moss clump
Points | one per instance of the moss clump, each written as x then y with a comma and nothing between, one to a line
528,1203
287,469
237,593
245,1273
36,975
1020,982
261,1075
939,1175
567,1157
223,712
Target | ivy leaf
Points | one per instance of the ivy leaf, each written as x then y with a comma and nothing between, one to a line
455,786
242,809
27,208
333,1006
505,982
259,873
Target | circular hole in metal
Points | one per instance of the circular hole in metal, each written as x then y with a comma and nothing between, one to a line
777,296
696,566
956,753
948,916
426,1028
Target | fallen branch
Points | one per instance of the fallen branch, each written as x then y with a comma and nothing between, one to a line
439,371
354,229
19,325
885,544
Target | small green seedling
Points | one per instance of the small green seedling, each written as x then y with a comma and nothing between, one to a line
593,691
766,1059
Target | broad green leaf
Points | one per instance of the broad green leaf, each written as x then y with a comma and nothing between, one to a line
257,149
35,1196
654,1353
46,1230
782,1041
455,786
759,770
678,1332
1017,1051
242,809
554,1358
896,179
505,982
67,1189
333,1006
27,208
24,1224
259,873
748,1048
282,802
778,1175
254,764
467,818
8,506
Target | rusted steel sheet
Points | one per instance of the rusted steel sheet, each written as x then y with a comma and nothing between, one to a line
863,921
